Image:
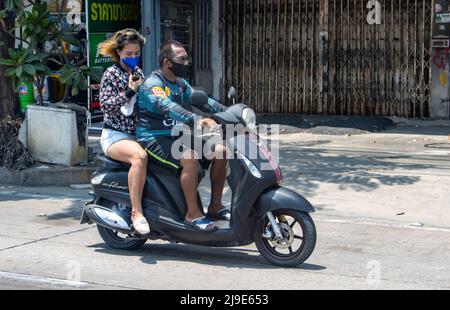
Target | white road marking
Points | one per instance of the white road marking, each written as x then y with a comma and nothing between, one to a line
41,280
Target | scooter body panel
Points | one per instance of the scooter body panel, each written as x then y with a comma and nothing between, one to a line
283,198
164,204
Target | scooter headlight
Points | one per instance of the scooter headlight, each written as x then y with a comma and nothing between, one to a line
253,170
249,117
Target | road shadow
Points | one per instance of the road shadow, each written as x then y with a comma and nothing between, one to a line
72,212
225,257
305,169
68,211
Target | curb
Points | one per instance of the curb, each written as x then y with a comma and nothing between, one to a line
46,175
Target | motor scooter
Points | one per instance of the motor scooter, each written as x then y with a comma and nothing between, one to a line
263,212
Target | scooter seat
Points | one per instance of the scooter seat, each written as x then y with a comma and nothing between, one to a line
151,167
111,162
157,169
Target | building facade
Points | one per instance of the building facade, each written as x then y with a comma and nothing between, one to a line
334,57
193,23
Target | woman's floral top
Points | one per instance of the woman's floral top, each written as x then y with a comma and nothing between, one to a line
115,93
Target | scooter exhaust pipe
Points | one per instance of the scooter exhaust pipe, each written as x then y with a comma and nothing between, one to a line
105,217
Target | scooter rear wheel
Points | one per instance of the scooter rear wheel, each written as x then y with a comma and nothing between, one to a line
299,241
115,239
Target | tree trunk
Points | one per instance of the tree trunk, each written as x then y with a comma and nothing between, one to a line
8,98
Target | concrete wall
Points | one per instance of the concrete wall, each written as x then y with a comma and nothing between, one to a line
53,137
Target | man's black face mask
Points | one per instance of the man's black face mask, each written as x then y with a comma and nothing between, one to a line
180,70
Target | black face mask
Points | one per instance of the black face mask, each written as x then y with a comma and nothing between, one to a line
179,70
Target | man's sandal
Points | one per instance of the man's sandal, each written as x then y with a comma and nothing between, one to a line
223,215
202,224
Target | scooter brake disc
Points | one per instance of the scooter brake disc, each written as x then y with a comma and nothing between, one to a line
288,237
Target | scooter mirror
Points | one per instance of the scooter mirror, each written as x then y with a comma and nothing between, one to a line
232,93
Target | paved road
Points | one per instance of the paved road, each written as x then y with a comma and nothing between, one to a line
362,242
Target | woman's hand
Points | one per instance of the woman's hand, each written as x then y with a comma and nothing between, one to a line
134,85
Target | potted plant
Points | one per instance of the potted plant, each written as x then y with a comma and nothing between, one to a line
42,48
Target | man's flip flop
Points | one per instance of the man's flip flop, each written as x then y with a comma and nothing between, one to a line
223,215
203,224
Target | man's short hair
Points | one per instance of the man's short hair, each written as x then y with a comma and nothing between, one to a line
166,50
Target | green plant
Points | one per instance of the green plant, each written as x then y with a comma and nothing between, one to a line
41,43
76,77
24,65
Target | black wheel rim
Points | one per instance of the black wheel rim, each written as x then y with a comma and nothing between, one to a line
300,237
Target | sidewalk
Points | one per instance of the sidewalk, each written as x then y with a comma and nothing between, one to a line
47,175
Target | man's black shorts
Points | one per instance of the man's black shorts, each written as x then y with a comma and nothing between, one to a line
160,152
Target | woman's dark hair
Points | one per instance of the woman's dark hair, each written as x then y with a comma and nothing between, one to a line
118,41
166,50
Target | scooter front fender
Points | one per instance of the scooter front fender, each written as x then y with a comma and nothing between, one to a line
283,198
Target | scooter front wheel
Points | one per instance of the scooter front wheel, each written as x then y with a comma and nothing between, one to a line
299,238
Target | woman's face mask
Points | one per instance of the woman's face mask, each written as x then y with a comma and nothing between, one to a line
131,62
130,59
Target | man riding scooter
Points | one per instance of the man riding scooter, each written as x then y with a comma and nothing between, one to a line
264,212
164,102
